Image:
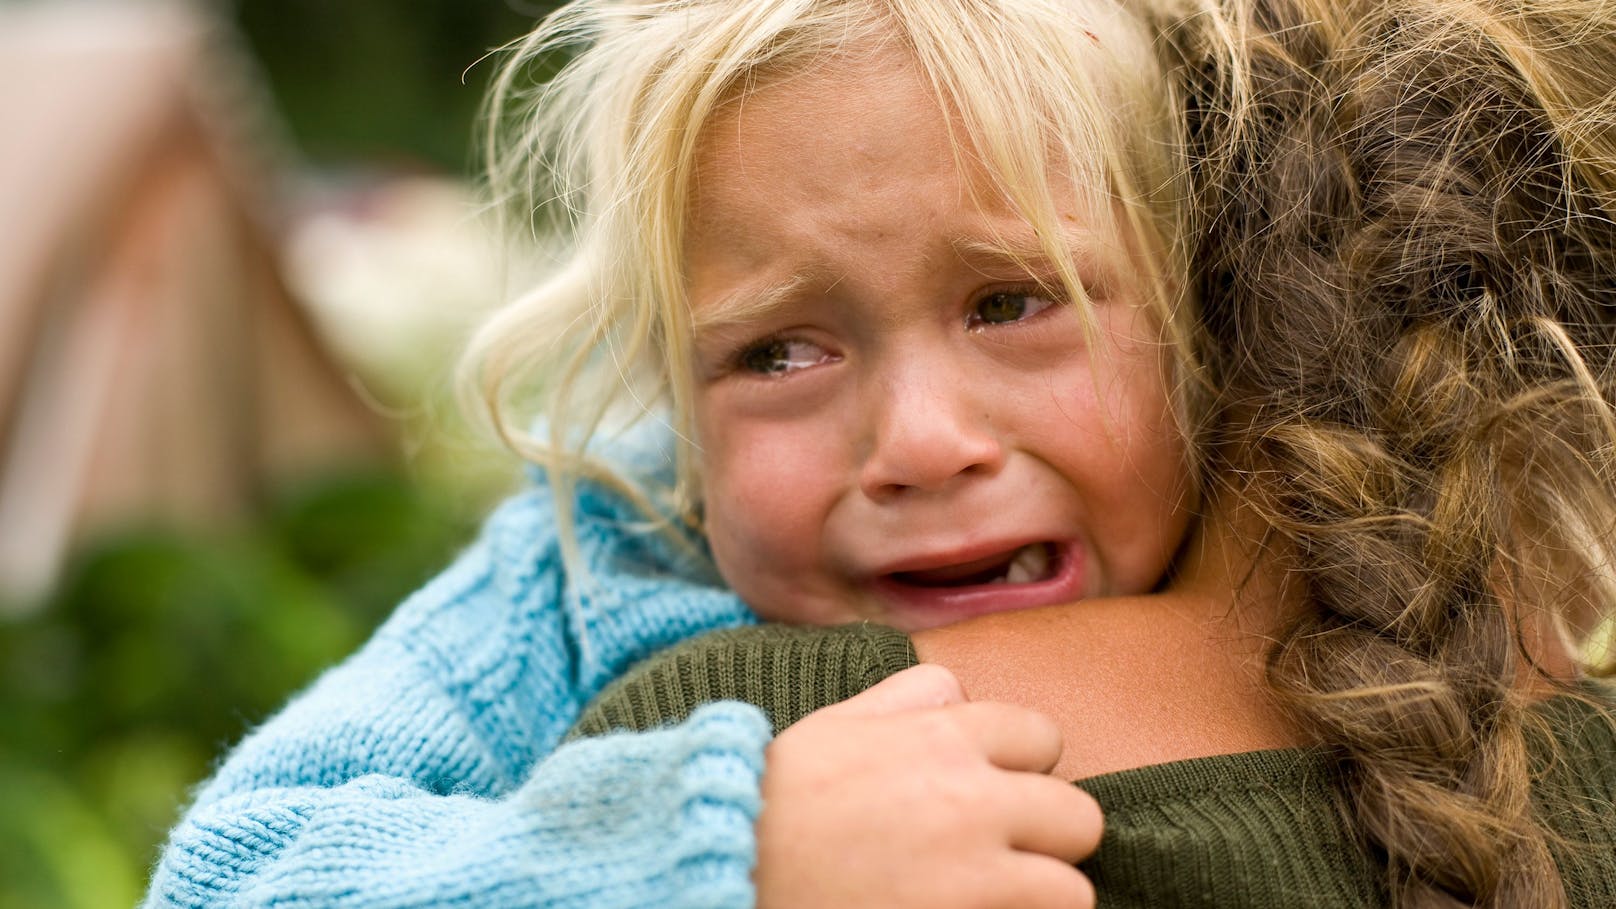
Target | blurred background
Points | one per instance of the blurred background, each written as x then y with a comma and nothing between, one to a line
240,247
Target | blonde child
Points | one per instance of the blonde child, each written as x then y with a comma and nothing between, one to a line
902,275
1406,268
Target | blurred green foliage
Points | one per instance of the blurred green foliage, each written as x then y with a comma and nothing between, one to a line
161,648
382,81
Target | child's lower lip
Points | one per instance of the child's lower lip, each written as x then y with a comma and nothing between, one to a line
912,608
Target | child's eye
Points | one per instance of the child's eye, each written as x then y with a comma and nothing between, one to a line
1004,307
778,356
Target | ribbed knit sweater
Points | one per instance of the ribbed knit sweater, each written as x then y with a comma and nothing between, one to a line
420,771
1256,830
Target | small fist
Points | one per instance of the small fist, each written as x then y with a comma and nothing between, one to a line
910,795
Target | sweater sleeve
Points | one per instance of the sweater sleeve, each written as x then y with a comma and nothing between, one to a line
416,773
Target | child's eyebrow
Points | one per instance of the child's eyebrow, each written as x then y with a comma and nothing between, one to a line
751,304
1025,251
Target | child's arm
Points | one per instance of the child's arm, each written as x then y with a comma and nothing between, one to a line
655,819
411,773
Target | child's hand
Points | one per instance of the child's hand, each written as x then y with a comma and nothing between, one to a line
907,795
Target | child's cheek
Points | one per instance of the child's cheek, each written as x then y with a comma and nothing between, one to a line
769,490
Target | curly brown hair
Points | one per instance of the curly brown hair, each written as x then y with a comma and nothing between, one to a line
1408,281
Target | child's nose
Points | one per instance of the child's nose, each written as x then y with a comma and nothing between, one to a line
926,435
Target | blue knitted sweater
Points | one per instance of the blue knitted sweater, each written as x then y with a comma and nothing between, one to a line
425,770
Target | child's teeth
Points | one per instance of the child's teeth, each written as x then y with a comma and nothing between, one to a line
1029,565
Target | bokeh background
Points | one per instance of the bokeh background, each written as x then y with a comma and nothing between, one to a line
240,246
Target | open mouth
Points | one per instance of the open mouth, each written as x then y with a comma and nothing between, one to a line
1027,564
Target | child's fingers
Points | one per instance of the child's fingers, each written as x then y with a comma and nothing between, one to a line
923,686
1014,738
1051,817
1040,882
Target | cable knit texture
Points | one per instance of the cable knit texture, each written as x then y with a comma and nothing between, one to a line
420,771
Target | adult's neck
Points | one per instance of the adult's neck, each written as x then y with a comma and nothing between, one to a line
1139,680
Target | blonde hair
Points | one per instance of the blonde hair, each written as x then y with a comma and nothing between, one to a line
604,152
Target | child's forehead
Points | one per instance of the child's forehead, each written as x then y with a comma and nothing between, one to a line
842,107
816,94
811,74
786,173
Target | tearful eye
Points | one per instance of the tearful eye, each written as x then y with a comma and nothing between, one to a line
1005,307
780,356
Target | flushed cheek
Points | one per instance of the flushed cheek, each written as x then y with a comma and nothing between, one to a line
1148,524
768,479
774,568
765,503
1116,441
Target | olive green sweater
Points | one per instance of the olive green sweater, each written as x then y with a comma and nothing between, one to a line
1259,829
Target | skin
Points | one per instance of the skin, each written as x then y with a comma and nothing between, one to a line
888,412
943,785
880,406
909,796
1141,680
1173,675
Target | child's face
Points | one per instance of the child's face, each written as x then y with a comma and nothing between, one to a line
894,424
